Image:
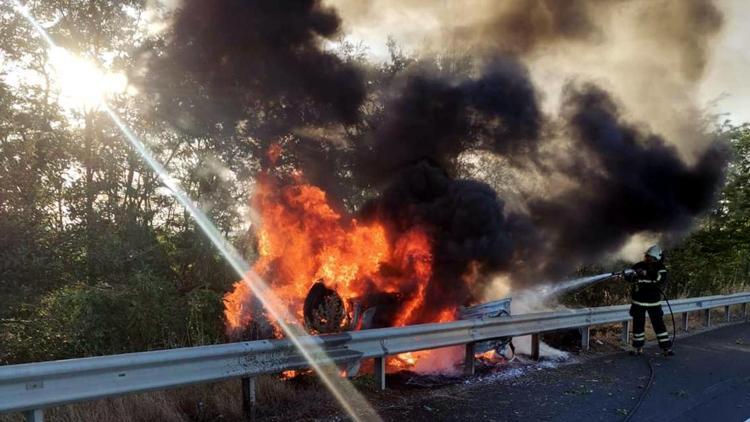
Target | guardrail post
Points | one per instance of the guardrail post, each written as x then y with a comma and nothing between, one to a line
469,365
585,337
380,372
36,415
727,314
707,317
248,397
685,316
626,332
535,346
744,311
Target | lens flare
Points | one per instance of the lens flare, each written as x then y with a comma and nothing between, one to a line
347,396
82,84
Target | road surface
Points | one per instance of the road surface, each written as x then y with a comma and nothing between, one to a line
707,380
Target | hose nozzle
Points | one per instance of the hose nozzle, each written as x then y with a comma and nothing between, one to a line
626,274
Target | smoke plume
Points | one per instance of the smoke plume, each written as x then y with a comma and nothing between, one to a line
622,155
688,28
627,181
520,26
434,118
257,63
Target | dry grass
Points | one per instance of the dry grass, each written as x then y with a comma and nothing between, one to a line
606,338
297,399
207,402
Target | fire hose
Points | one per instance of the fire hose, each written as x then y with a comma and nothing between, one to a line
669,306
627,273
606,276
623,273
649,361
643,395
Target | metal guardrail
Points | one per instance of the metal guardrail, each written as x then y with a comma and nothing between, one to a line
31,387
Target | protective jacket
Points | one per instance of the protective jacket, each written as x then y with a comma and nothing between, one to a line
647,280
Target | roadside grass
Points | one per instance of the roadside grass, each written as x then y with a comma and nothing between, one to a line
277,399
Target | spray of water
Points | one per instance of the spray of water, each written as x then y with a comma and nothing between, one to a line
537,299
551,290
347,396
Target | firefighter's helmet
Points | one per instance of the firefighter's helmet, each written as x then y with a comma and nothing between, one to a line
655,252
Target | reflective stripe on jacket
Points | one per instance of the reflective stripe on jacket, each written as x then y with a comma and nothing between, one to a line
646,290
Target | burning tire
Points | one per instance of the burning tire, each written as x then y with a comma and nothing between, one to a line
324,310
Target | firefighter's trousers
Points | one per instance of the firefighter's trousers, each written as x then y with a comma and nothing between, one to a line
656,315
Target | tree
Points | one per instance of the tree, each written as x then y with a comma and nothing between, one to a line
716,257
81,215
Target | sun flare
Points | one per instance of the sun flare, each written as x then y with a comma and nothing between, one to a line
82,84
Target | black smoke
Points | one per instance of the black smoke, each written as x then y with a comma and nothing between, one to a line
434,118
622,180
411,156
627,179
256,62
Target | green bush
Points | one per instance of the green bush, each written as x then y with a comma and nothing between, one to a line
205,317
81,320
709,263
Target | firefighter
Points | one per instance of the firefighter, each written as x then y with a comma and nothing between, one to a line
647,279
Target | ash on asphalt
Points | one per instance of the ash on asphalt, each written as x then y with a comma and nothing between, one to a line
524,391
408,380
709,377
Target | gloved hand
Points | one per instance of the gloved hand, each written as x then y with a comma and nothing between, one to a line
629,275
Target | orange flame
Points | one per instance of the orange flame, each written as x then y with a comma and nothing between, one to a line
233,306
303,239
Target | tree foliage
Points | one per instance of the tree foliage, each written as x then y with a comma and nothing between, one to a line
716,257
95,256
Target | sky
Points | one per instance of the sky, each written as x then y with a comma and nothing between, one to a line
729,70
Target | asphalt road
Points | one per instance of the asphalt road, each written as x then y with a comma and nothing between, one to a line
707,380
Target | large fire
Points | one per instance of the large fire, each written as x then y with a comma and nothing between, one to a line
303,239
